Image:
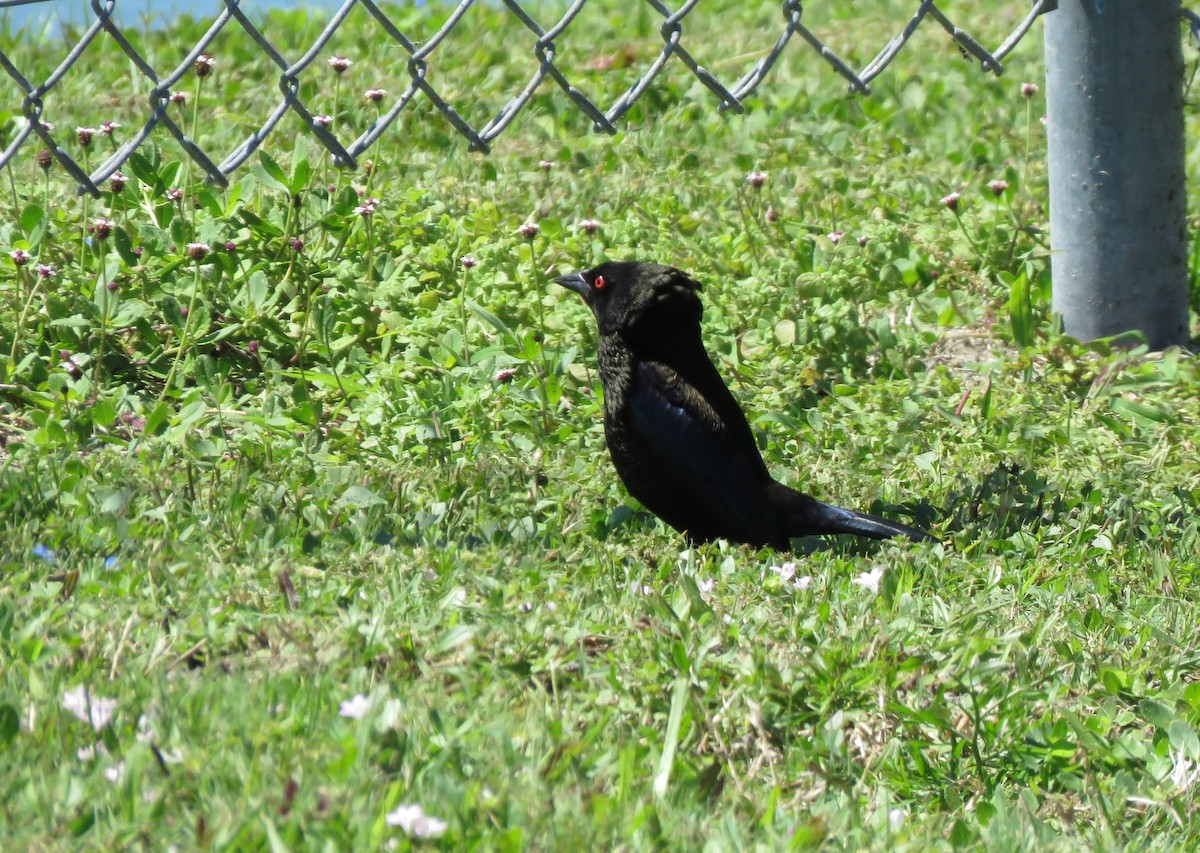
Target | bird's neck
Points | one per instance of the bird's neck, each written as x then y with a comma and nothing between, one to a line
672,344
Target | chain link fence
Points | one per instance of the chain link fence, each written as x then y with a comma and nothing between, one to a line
541,55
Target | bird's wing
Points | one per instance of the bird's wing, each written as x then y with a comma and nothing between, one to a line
698,452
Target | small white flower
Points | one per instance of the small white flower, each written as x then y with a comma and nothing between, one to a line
707,585
115,772
355,708
551,606
1184,771
870,580
643,588
416,824
896,819
91,709
802,583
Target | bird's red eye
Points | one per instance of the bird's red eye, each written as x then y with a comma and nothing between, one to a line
599,282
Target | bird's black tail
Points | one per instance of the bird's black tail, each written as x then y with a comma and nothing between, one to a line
808,516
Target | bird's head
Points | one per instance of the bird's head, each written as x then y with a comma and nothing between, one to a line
626,294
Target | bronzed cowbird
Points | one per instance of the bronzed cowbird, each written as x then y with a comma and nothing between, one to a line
677,437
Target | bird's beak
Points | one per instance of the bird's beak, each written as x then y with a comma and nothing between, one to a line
575,281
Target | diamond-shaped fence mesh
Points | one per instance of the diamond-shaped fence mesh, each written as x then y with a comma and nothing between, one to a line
419,55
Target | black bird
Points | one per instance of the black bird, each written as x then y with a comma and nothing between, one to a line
677,437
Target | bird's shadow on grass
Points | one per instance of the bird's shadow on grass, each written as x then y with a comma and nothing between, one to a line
1003,501
995,505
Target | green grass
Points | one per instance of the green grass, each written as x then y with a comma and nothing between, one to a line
312,484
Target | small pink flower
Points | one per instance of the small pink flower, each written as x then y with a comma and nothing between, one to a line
197,251
20,257
83,135
504,375
230,246
835,237
375,95
590,226
1028,90
44,159
102,228
45,271
770,215
204,65
117,182
468,262
786,572
297,244
107,127
367,208
323,121
178,98
175,194
252,346
951,201
355,707
862,241
756,179
528,230
545,165
340,64
997,187
112,286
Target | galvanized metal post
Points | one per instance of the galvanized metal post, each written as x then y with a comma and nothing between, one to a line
1114,94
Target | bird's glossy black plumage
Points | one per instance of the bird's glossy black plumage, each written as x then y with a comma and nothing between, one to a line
678,439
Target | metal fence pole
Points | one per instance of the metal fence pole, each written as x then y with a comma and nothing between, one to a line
1114,93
